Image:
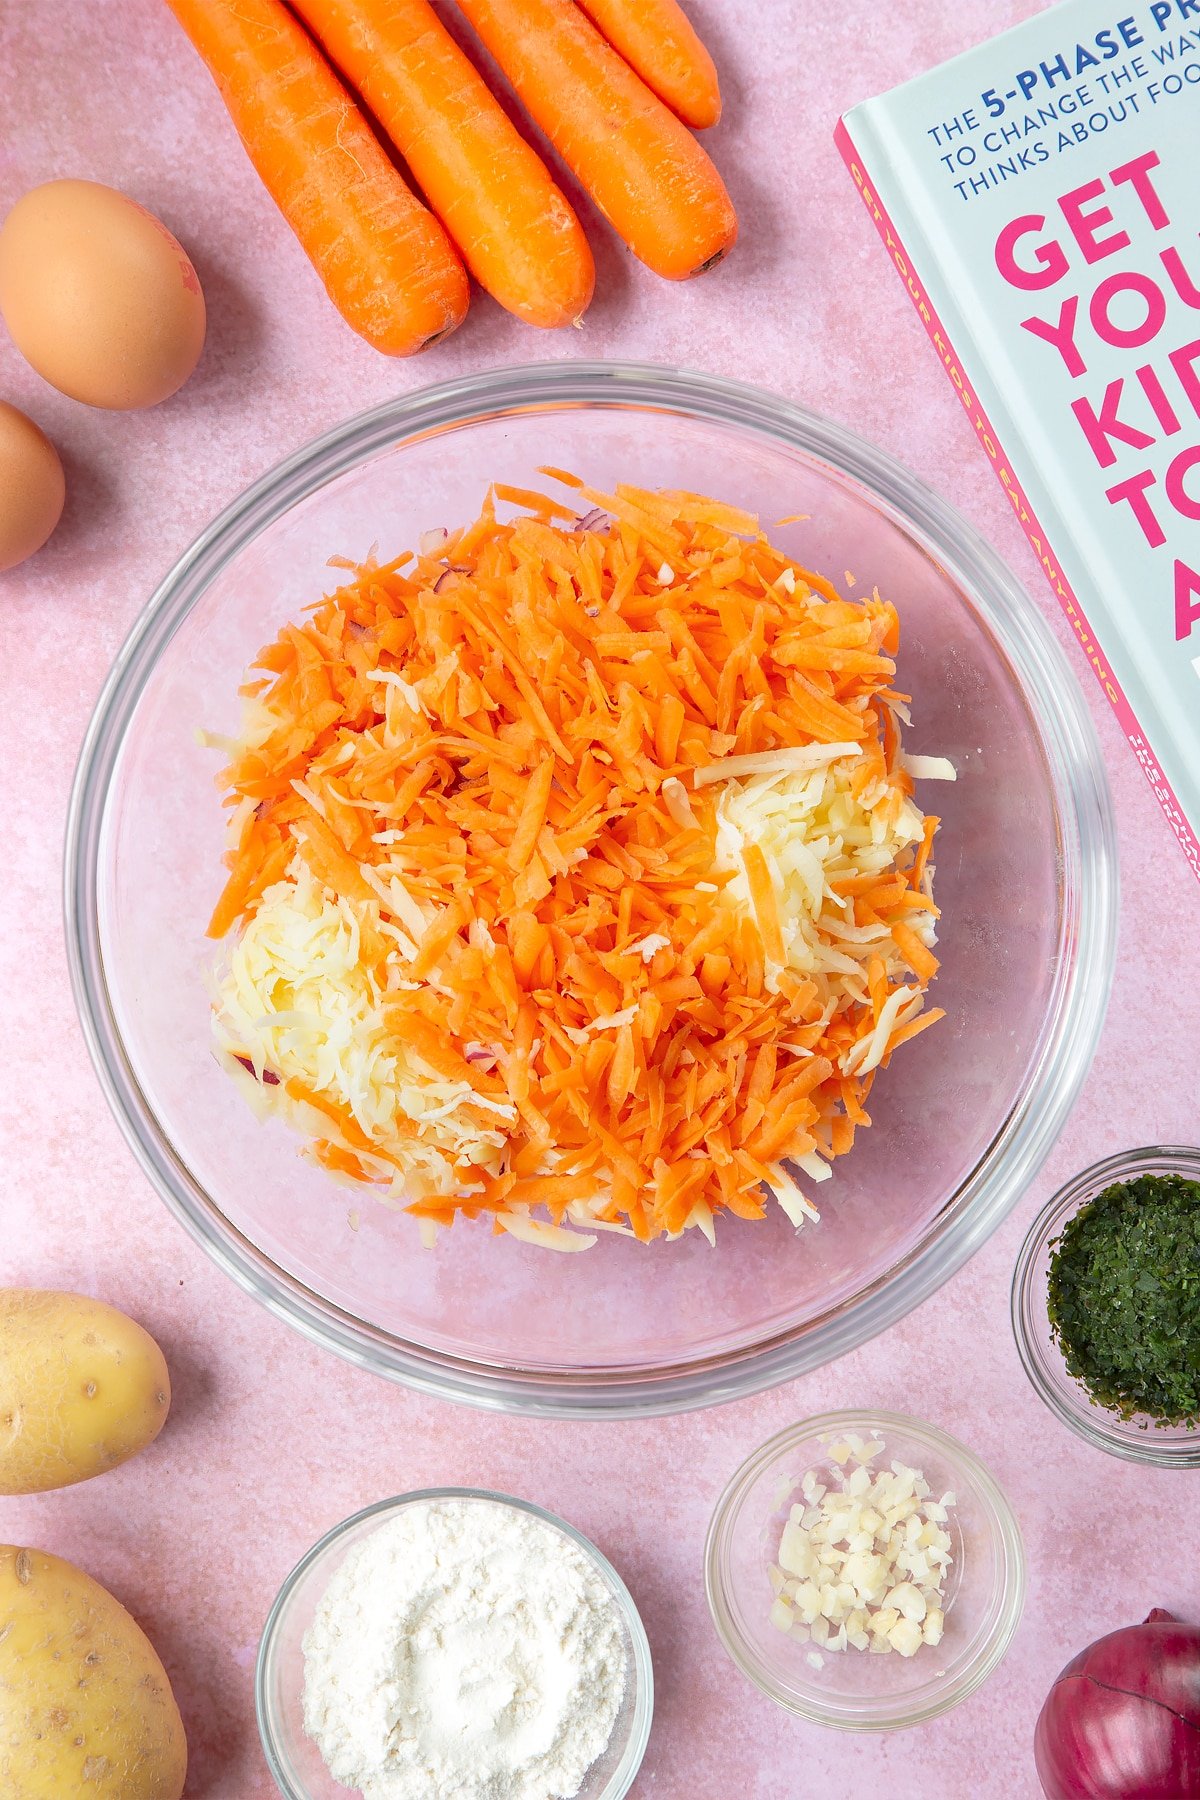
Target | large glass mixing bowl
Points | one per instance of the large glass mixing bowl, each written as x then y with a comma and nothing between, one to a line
1025,879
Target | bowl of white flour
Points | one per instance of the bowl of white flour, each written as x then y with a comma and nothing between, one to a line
458,1644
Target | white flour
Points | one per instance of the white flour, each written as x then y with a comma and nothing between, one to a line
464,1651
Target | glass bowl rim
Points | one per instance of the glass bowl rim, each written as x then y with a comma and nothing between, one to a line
641,1662
1088,889
1096,1425
895,1716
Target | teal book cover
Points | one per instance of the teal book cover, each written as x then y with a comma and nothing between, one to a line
1040,198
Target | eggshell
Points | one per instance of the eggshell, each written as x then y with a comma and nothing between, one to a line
99,296
32,489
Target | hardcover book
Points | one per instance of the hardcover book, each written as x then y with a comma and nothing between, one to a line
1040,200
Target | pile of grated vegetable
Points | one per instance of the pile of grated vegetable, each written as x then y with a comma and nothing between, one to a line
575,872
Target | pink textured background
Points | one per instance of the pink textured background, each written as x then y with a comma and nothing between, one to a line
271,1441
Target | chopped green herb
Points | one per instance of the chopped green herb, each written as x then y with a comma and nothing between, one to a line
1124,1298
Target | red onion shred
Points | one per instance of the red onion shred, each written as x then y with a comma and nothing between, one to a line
454,569
1123,1718
269,1077
590,520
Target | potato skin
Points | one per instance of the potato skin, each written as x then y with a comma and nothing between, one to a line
82,1388
86,1709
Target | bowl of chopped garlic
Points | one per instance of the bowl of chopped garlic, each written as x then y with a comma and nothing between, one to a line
865,1570
264,1101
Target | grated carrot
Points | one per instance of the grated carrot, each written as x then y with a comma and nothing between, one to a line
765,909
507,753
920,959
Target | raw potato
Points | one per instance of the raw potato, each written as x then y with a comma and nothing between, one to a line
86,1710
82,1388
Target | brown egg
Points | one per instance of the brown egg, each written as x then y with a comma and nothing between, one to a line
99,296
32,488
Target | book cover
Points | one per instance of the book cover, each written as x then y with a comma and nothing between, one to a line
1040,199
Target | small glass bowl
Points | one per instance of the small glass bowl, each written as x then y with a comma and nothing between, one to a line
293,1758
1139,1439
854,1690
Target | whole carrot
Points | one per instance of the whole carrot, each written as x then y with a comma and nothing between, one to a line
491,190
645,171
659,42
386,263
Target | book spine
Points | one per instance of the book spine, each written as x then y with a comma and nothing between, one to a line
1018,499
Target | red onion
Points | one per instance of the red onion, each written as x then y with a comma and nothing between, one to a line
454,569
269,1077
1122,1722
590,520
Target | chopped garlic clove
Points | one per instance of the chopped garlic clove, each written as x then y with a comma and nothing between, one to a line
907,1600
905,1636
808,1602
781,1616
796,1555
828,1600
866,1571
934,1623
906,1485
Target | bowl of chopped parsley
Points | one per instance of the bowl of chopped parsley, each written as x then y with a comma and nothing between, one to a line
1106,1305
